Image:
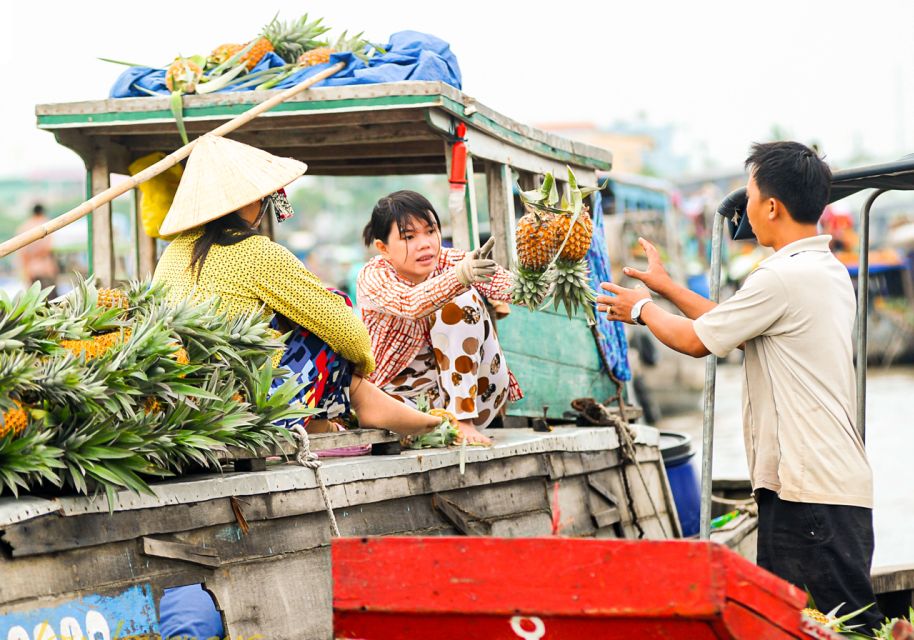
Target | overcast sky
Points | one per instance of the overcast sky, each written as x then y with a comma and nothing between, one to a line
723,72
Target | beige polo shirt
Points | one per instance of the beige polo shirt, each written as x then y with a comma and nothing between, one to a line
795,314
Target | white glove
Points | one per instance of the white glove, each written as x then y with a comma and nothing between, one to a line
477,266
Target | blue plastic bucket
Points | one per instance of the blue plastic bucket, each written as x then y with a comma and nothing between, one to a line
683,475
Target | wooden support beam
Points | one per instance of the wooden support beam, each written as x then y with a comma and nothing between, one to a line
316,122
501,211
102,230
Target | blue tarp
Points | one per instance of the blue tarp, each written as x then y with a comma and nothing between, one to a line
410,56
611,340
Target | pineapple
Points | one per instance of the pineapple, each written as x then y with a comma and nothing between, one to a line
113,299
537,239
314,57
261,47
181,356
569,220
288,40
13,421
151,404
816,616
572,282
222,54
97,345
183,75
361,48
578,243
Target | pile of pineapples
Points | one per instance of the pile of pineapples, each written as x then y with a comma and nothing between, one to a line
300,43
107,389
553,238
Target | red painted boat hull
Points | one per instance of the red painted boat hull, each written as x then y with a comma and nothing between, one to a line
556,588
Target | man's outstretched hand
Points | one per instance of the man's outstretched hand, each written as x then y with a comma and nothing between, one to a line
655,276
618,306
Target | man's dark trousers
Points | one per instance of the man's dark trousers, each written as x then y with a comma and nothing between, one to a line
826,549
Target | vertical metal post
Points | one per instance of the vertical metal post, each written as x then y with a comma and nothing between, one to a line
707,431
863,291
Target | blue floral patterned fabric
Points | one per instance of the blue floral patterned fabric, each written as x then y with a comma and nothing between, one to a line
611,341
327,375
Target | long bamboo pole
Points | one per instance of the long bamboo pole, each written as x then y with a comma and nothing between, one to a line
87,207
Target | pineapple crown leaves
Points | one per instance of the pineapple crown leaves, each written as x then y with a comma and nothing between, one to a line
291,39
546,196
19,374
25,321
65,380
107,452
29,459
360,47
572,287
82,315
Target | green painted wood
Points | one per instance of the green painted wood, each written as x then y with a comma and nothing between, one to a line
554,359
550,336
487,124
51,121
454,107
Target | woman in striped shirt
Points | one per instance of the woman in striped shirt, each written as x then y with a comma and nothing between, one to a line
424,306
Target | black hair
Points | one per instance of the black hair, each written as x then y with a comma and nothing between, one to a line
794,174
38,210
398,208
224,231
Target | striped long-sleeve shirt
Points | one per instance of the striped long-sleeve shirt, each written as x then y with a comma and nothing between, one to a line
398,312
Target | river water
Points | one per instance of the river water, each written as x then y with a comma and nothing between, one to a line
889,444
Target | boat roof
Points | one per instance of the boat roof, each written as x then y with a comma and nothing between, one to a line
373,129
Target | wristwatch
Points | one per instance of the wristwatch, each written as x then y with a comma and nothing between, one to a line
636,310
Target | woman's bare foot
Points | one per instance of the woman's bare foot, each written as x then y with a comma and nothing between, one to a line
471,434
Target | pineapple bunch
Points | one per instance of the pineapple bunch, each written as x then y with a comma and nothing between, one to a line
110,388
552,239
300,43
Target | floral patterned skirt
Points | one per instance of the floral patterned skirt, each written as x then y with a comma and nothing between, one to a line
326,375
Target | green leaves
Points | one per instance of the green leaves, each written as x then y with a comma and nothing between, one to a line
133,411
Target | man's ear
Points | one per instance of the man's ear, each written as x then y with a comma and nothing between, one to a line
381,247
775,208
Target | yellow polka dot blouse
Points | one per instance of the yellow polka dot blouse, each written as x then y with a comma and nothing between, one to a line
258,272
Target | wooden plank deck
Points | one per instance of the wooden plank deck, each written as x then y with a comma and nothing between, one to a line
272,575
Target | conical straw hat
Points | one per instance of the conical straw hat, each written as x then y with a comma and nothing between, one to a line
222,176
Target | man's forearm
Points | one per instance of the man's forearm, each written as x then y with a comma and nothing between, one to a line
674,331
691,304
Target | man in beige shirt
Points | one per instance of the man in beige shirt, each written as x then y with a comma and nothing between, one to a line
794,317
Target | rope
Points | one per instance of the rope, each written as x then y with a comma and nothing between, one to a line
307,458
628,444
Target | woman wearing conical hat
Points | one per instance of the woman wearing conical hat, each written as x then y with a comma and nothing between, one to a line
226,189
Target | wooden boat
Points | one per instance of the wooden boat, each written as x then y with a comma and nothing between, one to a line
257,537
392,588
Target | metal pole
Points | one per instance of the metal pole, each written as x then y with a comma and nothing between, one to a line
707,431
863,291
